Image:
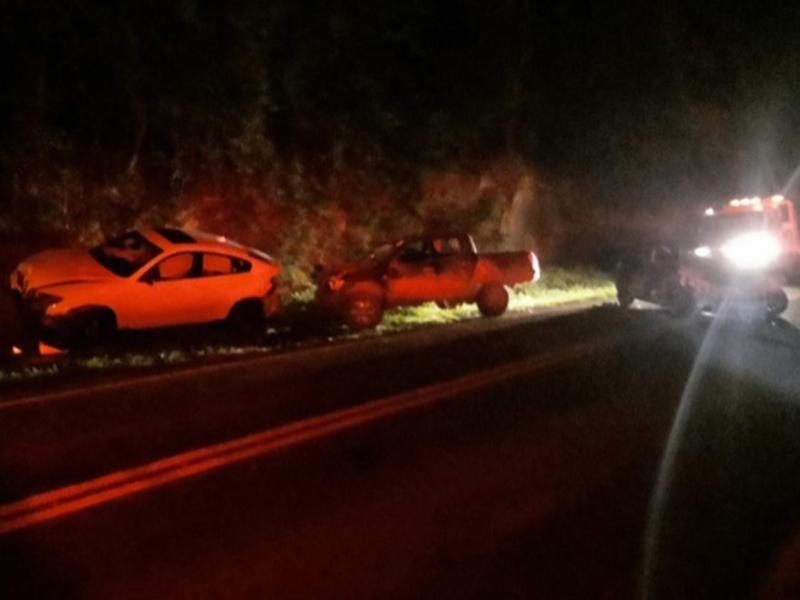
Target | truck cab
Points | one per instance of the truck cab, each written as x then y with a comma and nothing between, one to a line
431,267
774,216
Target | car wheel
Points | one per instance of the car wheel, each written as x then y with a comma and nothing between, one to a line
493,299
363,311
247,317
624,297
92,330
682,301
777,302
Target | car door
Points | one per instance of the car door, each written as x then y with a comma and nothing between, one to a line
411,274
224,280
454,266
168,294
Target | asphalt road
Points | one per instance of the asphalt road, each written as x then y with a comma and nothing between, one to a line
511,458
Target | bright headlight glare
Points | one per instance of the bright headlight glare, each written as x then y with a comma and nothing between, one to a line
752,250
702,251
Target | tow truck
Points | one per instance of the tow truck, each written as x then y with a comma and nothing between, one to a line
739,257
752,230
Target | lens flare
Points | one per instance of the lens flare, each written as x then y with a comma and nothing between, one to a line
653,537
753,250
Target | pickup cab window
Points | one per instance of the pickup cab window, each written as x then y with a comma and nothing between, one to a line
414,252
447,246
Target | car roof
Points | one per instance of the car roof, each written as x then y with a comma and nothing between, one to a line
433,235
175,238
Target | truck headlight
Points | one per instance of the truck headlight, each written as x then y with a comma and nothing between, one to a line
754,250
702,252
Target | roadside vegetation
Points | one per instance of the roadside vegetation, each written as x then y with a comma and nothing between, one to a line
563,286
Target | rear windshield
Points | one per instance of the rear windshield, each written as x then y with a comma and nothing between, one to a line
125,254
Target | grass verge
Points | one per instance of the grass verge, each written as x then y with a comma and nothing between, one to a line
558,286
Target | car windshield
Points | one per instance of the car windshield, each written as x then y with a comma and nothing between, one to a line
718,227
125,254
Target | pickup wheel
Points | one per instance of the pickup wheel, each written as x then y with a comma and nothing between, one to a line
624,297
362,311
777,302
492,299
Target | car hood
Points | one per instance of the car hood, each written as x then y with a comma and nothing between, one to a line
58,267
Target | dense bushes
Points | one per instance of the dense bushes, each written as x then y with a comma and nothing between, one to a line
314,129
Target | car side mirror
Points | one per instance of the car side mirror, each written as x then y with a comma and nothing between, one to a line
150,277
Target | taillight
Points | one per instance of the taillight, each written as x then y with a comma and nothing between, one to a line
537,273
335,283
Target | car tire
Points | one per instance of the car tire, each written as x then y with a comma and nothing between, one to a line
777,302
92,330
493,299
247,317
363,311
682,301
624,297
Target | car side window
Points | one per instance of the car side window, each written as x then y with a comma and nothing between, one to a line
241,265
213,265
216,264
175,267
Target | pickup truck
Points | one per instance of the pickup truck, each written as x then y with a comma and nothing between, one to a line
445,269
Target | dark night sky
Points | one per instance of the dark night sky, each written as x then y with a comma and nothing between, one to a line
657,104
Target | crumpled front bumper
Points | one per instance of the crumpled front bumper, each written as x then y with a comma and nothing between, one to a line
51,329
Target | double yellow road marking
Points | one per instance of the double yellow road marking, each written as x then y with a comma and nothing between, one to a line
81,496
